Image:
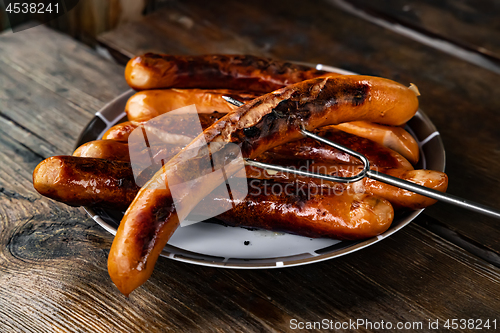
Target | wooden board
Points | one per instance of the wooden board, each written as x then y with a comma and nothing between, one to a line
177,33
473,24
53,273
460,98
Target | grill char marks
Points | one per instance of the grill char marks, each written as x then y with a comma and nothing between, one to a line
151,230
291,112
240,72
357,93
273,123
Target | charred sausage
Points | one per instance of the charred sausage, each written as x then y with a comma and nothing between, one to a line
239,72
111,184
277,208
398,197
257,126
310,149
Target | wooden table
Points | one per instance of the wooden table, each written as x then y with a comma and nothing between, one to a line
53,274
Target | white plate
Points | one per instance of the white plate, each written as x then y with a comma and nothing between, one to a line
215,245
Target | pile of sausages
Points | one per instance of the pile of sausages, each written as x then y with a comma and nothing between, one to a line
361,112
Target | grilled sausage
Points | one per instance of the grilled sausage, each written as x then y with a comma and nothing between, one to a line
106,149
257,126
148,104
398,197
239,72
393,137
288,154
79,181
278,207
310,149
122,131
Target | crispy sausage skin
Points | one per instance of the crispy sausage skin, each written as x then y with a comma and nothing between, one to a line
239,72
111,184
80,181
305,149
275,207
56,176
263,123
398,197
393,137
148,104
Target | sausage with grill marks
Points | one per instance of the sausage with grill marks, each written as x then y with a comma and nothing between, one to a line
265,122
215,71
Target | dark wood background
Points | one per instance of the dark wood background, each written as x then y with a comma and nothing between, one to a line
53,274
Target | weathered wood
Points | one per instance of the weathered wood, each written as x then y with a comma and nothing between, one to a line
176,32
470,23
38,82
53,273
460,98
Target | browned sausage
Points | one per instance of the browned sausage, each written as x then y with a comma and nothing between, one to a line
107,149
393,137
56,176
305,149
310,149
398,197
239,72
80,181
276,207
148,104
122,131
257,126
89,181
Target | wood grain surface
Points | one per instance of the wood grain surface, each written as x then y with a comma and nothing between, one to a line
460,98
470,23
53,274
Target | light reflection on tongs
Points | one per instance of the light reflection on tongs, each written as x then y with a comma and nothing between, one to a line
366,172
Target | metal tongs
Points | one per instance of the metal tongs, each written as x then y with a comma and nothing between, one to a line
367,172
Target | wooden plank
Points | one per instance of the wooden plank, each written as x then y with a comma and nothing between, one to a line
34,81
472,24
176,32
459,97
